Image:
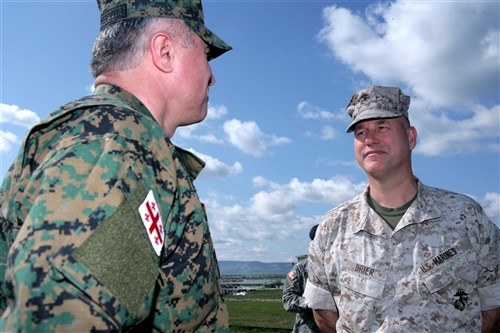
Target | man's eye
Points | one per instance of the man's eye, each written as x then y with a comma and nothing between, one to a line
207,53
359,134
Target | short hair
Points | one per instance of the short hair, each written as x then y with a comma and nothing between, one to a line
122,45
406,121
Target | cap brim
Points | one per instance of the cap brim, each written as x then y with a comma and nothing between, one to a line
370,115
216,45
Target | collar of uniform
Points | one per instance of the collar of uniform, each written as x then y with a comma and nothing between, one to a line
192,163
123,96
423,208
367,219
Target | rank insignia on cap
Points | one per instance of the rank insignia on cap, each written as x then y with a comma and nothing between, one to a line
292,275
150,215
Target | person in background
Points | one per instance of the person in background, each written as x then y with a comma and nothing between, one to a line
402,256
293,289
101,227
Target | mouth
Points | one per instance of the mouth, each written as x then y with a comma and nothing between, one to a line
373,153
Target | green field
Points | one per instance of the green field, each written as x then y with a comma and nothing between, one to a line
259,311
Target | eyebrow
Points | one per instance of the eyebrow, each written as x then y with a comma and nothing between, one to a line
378,122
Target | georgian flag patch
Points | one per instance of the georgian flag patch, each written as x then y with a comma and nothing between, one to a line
150,215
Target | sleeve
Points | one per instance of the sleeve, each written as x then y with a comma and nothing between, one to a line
74,261
9,228
5,240
293,289
317,293
489,262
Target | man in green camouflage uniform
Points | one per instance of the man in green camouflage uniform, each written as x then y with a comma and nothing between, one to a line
293,290
101,227
402,256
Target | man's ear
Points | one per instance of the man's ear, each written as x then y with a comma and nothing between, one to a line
161,48
412,136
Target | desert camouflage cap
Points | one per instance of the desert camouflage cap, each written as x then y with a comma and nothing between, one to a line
190,11
377,102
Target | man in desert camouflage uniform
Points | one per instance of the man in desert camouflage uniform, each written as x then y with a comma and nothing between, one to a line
101,227
293,290
402,256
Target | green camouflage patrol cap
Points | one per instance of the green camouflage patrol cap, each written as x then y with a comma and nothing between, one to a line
377,102
190,11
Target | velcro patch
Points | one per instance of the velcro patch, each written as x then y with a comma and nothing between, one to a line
150,215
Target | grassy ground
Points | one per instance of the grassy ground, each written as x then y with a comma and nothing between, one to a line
259,311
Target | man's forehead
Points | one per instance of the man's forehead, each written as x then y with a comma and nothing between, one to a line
368,122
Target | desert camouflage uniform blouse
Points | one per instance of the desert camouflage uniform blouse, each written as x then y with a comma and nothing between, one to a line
101,227
435,272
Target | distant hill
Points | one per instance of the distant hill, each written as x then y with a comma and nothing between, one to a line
249,268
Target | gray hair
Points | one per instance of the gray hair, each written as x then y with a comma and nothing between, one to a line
122,45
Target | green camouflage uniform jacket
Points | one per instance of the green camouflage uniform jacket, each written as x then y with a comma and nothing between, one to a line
293,300
101,227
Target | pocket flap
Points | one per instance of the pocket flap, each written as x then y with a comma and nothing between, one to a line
362,279
443,274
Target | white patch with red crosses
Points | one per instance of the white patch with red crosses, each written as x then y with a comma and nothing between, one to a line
150,215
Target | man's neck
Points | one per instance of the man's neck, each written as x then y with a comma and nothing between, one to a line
146,90
393,192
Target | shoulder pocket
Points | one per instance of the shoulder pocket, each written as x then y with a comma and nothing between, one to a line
119,254
362,279
442,272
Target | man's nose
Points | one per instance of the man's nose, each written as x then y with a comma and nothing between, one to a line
211,81
371,137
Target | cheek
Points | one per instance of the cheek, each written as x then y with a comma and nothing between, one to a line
200,74
358,147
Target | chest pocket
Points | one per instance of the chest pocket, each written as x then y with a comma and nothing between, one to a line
444,269
362,279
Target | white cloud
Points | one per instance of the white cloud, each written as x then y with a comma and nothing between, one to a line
215,167
12,114
259,181
204,132
248,137
271,227
260,249
7,140
307,110
216,111
210,138
328,133
272,216
445,59
90,89
441,135
491,206
191,133
341,163
448,64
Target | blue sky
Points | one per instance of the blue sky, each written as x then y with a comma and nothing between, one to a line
274,140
